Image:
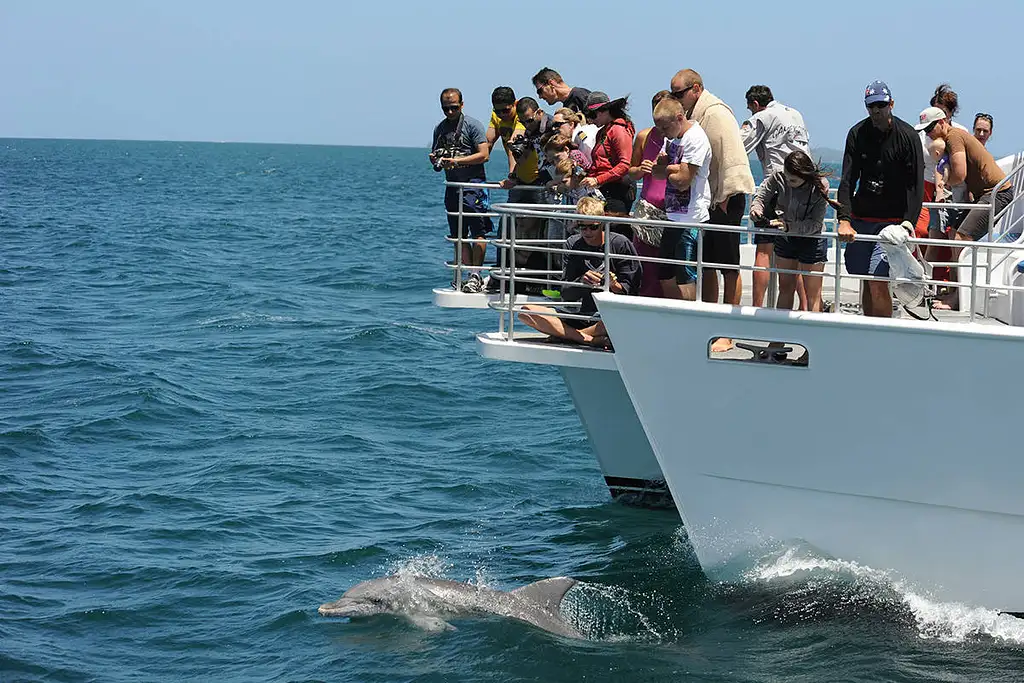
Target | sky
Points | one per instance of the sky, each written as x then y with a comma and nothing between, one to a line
370,73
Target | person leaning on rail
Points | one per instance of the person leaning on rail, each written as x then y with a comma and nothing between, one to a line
527,147
684,165
795,199
647,147
586,266
972,164
773,131
504,121
551,88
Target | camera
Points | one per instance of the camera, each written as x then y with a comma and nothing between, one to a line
874,186
441,153
523,144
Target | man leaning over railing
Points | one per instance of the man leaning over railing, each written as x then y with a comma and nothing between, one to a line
586,267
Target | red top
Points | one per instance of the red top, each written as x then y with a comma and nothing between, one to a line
613,152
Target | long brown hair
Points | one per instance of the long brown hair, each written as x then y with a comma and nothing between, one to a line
802,166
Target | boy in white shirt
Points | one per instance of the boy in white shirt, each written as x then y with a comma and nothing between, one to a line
685,163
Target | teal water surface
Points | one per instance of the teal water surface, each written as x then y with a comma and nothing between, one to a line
226,398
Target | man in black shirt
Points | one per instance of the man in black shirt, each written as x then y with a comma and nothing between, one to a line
551,88
882,184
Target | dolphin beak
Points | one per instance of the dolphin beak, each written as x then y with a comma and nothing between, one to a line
347,607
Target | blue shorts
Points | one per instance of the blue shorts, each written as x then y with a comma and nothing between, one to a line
867,258
807,250
680,244
761,238
473,201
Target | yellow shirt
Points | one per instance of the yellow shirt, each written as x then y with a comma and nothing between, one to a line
506,127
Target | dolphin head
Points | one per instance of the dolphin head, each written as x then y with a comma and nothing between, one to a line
362,600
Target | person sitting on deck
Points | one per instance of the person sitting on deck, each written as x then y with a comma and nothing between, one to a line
587,268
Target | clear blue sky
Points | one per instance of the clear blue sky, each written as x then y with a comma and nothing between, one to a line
369,72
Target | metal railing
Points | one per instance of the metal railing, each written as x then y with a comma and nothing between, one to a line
459,241
511,277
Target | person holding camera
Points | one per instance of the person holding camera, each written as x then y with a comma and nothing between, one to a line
459,148
526,146
585,266
882,184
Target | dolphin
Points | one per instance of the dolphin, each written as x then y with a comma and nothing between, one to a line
426,602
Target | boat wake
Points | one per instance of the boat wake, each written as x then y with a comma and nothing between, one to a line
821,588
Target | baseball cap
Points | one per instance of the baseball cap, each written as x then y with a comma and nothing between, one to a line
930,116
877,91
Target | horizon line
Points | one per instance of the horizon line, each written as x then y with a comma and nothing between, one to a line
210,142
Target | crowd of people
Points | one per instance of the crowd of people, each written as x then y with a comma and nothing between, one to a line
693,167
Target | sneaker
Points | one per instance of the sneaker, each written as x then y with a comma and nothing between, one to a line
492,284
474,284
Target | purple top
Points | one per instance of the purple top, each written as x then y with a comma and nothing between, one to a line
653,190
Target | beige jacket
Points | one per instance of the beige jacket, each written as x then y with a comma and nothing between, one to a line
730,167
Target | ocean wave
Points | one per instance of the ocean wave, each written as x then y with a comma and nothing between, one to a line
816,588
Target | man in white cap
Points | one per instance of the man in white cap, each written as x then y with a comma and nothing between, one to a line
970,163
882,184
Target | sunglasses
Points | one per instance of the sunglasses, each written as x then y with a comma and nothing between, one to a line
503,111
678,94
930,127
982,115
559,123
451,107
878,105
590,226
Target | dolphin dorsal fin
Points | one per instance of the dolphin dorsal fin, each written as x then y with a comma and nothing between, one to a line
547,593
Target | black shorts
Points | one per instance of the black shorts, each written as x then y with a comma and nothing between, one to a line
973,223
623,192
809,250
724,247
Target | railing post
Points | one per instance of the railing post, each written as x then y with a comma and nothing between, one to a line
607,260
458,246
502,232
988,252
974,278
773,281
511,275
700,263
839,274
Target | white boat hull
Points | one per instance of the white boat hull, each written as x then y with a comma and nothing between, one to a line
898,445
625,457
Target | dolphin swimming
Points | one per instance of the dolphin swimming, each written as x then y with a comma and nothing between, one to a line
427,602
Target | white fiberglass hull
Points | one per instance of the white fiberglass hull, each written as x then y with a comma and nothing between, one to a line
629,467
898,445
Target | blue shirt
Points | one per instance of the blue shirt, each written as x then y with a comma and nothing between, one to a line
470,137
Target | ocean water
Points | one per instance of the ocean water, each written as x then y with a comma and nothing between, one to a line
225,397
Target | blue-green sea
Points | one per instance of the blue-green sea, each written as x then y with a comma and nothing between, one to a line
226,397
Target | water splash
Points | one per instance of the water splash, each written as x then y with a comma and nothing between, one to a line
952,622
608,613
429,565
